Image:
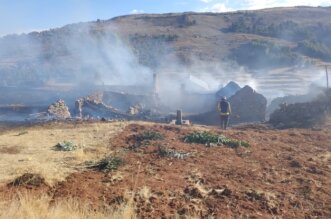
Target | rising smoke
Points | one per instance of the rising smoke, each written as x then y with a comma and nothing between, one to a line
85,55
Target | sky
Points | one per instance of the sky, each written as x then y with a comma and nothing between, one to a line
23,16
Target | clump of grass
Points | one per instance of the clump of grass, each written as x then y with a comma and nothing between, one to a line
66,146
149,136
166,152
108,164
28,179
22,133
144,138
210,139
232,143
201,138
27,205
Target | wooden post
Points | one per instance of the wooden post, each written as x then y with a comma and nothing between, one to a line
327,77
179,119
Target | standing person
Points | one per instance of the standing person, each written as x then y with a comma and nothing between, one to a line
224,108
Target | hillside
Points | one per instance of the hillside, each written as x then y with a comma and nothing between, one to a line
270,48
274,174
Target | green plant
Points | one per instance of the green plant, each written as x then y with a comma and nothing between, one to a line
149,136
108,164
66,146
208,139
165,152
201,138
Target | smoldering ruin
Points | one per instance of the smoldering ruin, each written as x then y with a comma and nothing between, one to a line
96,70
145,103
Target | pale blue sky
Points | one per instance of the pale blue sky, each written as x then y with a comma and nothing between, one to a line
17,16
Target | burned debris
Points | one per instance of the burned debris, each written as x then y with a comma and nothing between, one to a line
247,106
93,106
302,115
59,110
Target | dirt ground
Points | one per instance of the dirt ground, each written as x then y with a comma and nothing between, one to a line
283,174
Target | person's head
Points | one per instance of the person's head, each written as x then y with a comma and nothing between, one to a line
223,98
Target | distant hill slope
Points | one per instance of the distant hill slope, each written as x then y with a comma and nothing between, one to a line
281,40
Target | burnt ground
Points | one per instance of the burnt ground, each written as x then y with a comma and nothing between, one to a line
283,174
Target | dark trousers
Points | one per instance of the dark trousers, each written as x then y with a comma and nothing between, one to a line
224,121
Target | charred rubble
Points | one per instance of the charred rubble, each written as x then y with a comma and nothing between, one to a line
59,110
94,106
247,106
303,115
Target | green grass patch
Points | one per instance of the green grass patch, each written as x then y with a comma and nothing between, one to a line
142,139
209,139
149,136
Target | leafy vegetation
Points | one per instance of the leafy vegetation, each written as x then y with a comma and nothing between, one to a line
166,152
150,49
144,138
209,139
252,24
149,136
263,54
108,164
66,146
314,49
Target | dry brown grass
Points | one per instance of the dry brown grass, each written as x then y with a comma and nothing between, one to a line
26,206
32,152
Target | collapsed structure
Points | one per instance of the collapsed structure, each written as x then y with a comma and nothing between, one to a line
59,110
302,115
247,106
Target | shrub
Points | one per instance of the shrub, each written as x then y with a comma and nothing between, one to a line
28,179
209,139
108,164
165,152
66,146
149,136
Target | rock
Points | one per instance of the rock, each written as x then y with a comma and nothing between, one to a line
59,110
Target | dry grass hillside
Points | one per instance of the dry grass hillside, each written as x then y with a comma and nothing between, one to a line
150,170
279,48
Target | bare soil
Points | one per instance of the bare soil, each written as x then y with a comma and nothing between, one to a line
283,174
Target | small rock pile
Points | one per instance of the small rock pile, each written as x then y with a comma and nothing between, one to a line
59,110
